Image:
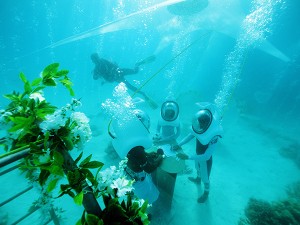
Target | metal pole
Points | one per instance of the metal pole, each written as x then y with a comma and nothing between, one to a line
14,157
26,215
15,196
10,169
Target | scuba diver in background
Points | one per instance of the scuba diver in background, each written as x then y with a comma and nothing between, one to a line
207,129
168,127
111,72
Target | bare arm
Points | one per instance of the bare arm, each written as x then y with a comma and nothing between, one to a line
206,156
183,142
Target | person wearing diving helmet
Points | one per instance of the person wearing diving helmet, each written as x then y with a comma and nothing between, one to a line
168,127
207,130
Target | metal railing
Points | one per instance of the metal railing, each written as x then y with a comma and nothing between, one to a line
7,160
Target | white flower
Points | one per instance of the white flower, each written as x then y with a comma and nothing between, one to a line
123,164
81,132
79,117
140,201
75,102
37,96
4,123
53,122
107,175
123,185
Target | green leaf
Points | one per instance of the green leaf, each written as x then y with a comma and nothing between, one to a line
56,170
61,73
18,119
36,81
16,128
72,93
43,176
47,135
52,185
63,131
129,201
36,149
58,158
21,123
66,82
78,158
74,177
85,161
123,204
79,222
93,220
64,187
61,194
68,143
27,88
31,104
13,97
23,77
92,165
71,193
88,174
115,208
144,207
49,82
44,109
144,217
50,70
78,198
37,89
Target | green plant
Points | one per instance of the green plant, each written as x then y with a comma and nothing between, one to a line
50,133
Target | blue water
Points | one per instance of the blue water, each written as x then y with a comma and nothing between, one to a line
215,66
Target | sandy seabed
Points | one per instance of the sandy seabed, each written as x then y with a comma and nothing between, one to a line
247,164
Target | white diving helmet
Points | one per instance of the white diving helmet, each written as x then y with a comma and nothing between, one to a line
206,123
201,121
131,132
169,111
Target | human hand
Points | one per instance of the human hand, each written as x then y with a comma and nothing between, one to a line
176,147
182,156
156,137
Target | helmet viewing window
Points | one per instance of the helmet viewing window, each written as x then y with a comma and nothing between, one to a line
169,111
202,121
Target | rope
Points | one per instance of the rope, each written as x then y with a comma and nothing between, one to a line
169,62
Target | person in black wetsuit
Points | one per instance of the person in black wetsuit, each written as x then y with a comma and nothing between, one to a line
111,72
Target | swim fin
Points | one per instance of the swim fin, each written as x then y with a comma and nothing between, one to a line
146,60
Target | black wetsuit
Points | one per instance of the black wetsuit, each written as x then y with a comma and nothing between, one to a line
110,72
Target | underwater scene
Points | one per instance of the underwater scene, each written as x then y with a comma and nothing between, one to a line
155,112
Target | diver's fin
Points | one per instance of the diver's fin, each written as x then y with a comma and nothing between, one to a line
146,60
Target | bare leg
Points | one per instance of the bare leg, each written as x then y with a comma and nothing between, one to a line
204,196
